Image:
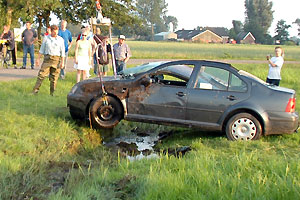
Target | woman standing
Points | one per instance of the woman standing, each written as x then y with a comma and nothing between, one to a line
83,58
275,65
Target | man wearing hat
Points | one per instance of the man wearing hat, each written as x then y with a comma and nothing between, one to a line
122,54
53,49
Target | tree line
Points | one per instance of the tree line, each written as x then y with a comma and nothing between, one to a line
140,19
259,17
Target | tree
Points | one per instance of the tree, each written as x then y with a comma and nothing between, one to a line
11,10
282,31
153,12
237,28
259,17
171,19
121,12
297,21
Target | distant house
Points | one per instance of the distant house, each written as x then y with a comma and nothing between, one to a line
165,36
245,38
220,31
205,35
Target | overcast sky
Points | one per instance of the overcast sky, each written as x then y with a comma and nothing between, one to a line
220,13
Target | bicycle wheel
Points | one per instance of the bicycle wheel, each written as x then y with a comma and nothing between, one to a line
7,57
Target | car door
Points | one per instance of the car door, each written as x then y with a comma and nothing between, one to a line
164,99
214,91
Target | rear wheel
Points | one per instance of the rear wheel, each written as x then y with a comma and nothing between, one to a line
243,126
105,114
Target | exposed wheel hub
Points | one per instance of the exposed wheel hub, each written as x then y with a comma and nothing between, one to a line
106,112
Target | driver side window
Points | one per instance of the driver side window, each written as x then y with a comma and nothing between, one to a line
174,75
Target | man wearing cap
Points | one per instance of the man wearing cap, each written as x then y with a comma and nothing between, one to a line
122,54
53,49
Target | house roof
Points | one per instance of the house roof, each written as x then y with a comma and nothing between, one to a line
189,34
220,31
242,35
163,33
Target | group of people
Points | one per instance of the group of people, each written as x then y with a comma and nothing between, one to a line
57,43
89,49
55,48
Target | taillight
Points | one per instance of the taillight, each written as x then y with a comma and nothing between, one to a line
291,106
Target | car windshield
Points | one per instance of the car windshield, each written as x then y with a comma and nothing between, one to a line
130,72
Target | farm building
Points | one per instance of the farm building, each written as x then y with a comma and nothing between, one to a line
220,31
205,35
245,38
165,36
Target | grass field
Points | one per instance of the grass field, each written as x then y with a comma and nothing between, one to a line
185,50
44,154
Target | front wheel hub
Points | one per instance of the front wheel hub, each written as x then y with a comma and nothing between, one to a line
106,112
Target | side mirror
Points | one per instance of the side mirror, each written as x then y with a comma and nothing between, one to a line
146,81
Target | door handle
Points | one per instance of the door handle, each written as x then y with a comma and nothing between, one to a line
181,94
231,98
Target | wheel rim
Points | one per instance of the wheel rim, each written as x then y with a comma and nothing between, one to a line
243,129
106,112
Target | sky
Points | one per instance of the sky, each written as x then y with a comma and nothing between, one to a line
220,13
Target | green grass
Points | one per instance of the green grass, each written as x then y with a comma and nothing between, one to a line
44,154
184,50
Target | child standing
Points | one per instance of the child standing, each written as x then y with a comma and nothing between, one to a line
275,65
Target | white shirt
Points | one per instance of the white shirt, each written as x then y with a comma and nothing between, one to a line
274,72
53,46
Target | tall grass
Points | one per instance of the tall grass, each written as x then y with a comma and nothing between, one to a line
44,154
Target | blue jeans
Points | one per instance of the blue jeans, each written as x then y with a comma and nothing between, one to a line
62,71
30,50
120,65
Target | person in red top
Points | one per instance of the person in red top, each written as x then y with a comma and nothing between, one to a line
48,31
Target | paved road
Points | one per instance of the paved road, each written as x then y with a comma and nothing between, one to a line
17,74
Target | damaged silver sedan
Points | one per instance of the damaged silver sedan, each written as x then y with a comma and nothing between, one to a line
213,96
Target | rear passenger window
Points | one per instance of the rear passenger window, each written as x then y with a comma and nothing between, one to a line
237,85
212,78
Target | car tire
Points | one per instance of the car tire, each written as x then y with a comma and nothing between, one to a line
74,115
105,116
243,126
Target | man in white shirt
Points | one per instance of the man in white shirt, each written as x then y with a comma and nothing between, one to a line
53,49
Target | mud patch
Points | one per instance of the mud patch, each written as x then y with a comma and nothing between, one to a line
141,145
134,146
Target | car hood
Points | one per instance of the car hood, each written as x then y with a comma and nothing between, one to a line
104,79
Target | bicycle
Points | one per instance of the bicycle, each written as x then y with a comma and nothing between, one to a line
5,54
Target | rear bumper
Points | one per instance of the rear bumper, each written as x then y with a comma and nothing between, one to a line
281,123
